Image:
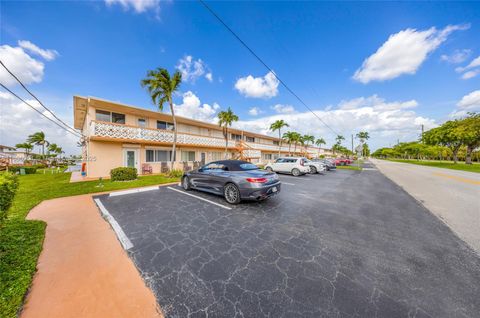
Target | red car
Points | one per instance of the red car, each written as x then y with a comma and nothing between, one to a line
342,161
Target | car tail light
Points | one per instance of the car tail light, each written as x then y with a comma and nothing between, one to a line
257,180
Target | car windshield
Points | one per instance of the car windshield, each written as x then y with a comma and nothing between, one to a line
248,166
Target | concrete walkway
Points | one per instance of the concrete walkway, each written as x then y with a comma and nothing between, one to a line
83,270
452,195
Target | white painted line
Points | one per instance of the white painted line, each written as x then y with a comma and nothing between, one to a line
370,169
287,183
115,194
126,243
200,198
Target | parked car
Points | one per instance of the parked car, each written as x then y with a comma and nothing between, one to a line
316,166
342,161
294,165
236,180
329,164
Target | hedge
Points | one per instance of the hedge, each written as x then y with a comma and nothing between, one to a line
8,187
28,169
123,174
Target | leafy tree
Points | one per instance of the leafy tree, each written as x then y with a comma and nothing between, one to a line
446,135
161,87
38,139
225,120
289,136
307,139
278,125
319,142
468,131
27,146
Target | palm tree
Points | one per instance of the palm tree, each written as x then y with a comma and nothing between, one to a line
278,125
52,148
363,136
296,139
339,139
307,139
161,87
225,120
319,142
38,139
289,137
25,146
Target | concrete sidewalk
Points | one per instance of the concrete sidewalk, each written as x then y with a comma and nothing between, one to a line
83,270
452,195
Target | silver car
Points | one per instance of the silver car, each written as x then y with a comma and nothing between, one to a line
236,180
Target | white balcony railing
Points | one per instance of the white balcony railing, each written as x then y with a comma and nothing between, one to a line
109,130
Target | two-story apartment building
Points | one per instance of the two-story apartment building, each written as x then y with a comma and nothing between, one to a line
117,135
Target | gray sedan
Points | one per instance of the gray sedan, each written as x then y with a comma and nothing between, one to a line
236,180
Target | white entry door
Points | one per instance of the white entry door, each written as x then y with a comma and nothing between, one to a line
131,159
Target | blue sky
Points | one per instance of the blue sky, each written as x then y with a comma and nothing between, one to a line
382,67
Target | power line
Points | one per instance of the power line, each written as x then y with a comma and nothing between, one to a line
38,100
265,64
53,121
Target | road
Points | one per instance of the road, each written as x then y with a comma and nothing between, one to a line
342,244
452,195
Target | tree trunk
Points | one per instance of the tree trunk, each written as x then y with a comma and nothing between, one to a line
468,157
280,143
295,149
289,148
454,153
174,145
225,134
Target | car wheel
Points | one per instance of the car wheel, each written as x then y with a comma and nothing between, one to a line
231,193
186,184
269,169
313,170
295,172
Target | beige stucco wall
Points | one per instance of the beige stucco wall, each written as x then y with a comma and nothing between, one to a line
104,156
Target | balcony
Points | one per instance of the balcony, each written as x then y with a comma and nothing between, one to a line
138,134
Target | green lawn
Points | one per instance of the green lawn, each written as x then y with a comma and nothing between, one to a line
475,167
353,166
21,240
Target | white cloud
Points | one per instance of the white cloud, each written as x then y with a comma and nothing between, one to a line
209,77
458,56
470,74
386,121
192,69
471,70
403,53
139,6
26,68
191,107
258,87
48,55
283,109
20,121
468,103
254,111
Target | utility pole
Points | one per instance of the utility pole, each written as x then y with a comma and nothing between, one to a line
352,143
422,133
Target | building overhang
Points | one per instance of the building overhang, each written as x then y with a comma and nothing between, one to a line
80,108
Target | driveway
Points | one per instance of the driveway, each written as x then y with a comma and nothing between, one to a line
342,244
454,196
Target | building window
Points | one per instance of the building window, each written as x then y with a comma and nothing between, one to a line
250,139
118,118
102,115
157,155
164,125
276,142
236,137
267,156
188,155
217,156
142,122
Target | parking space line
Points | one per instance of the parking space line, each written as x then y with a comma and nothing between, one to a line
287,183
115,194
126,243
200,198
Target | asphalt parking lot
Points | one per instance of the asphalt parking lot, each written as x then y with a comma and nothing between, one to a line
341,244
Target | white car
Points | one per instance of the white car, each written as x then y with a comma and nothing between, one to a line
316,166
294,165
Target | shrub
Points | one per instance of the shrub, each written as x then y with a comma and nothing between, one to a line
175,173
28,169
123,174
8,187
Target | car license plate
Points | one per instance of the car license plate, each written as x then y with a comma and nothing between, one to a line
274,189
